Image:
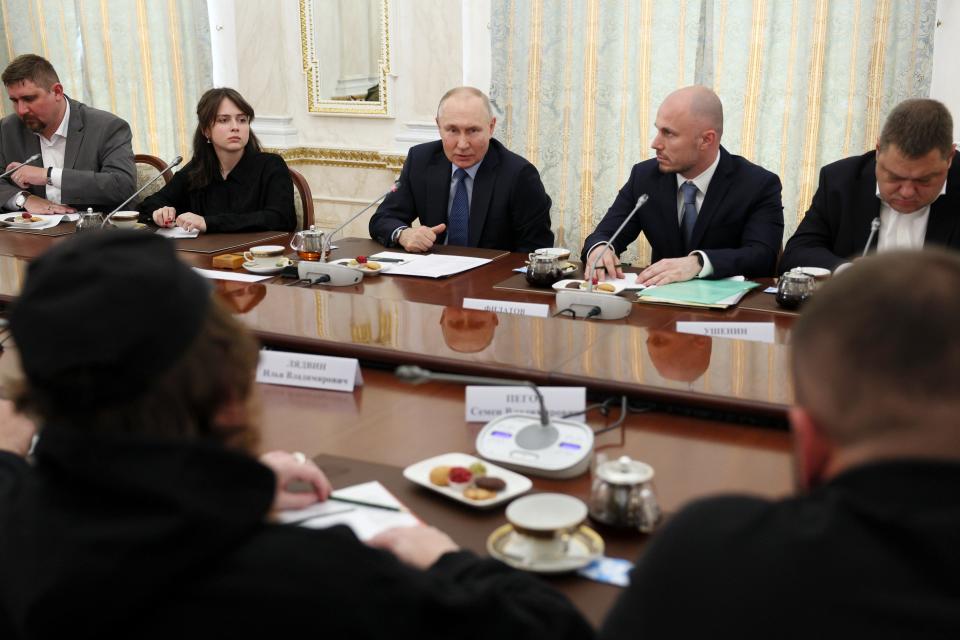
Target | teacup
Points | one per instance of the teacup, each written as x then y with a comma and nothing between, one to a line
265,256
125,219
557,252
543,524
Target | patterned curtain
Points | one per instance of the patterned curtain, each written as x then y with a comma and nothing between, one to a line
146,61
803,83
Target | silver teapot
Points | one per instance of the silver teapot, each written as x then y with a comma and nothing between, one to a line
310,245
623,495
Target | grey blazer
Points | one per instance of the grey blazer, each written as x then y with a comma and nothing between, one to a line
98,169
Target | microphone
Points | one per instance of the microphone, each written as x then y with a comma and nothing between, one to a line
325,251
415,375
640,202
149,182
27,161
537,445
874,227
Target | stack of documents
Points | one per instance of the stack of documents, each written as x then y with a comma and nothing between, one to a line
710,294
431,265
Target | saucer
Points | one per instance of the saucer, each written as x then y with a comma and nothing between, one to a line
816,272
266,271
557,252
585,546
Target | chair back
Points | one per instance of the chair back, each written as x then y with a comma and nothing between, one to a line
148,167
302,199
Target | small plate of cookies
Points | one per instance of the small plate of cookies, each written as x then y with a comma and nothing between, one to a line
361,264
468,479
613,288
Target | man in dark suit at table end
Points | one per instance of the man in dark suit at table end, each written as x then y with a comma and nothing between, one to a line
467,189
871,547
710,213
86,154
908,183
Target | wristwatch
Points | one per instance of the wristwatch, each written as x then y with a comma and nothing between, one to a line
49,176
21,199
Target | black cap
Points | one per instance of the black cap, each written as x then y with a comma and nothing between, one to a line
105,312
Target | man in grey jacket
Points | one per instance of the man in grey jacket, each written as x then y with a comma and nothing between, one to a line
85,155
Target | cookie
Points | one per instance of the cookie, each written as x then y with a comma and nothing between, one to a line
475,493
490,483
440,476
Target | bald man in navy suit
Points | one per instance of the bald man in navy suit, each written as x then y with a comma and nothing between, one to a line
709,213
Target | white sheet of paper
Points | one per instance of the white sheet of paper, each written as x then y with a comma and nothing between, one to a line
229,275
177,232
436,266
365,522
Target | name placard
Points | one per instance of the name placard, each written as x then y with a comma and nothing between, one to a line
753,331
486,403
308,370
531,309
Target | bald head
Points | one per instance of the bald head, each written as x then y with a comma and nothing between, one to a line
702,104
466,94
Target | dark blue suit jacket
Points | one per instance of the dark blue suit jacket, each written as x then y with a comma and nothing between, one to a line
739,226
509,209
837,226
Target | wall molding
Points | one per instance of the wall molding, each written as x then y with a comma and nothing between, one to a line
275,131
341,157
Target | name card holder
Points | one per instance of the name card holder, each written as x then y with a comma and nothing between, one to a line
531,309
753,331
308,370
486,403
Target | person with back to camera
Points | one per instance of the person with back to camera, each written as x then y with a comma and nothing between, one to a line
230,184
146,515
870,547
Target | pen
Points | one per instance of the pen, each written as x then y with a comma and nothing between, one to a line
376,259
361,503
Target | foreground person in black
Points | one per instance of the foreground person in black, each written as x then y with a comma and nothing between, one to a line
871,548
145,515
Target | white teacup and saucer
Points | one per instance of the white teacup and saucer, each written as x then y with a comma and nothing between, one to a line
546,534
265,259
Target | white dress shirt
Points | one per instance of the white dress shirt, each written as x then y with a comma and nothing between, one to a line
52,152
903,230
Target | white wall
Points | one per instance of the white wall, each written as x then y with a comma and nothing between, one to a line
945,84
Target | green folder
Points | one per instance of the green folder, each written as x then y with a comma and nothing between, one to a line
699,293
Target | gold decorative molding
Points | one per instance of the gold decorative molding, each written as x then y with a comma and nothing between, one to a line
311,68
341,158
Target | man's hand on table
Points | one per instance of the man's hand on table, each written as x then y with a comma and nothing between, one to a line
36,204
295,467
16,430
419,547
670,270
420,239
609,267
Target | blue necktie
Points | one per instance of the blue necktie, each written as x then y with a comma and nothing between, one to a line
689,218
458,224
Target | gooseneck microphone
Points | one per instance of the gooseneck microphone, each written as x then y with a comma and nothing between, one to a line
640,202
25,162
149,182
874,227
415,375
329,239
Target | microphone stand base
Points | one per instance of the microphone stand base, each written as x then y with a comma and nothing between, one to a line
340,276
514,441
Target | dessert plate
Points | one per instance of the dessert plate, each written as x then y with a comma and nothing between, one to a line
419,473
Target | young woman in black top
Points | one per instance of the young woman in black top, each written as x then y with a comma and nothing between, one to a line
230,184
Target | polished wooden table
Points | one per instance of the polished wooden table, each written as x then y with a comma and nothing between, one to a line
385,425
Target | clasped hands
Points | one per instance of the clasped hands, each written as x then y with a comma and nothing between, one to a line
661,272
167,217
420,239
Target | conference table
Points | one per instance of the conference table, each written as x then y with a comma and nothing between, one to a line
707,413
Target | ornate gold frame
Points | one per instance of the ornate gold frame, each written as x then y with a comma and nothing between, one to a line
311,69
341,158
